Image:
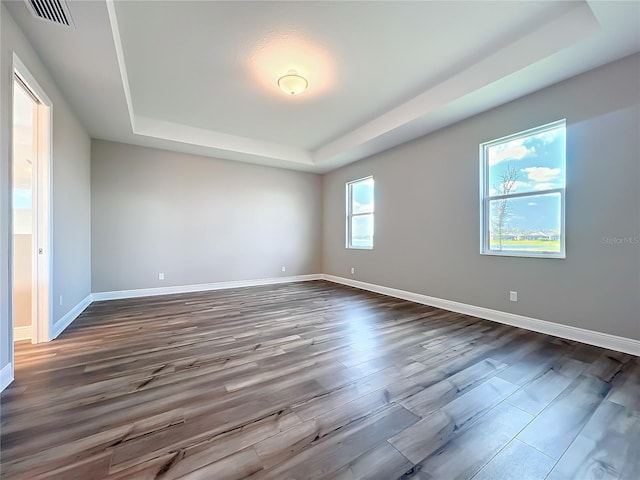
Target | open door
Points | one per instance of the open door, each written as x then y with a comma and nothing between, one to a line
31,229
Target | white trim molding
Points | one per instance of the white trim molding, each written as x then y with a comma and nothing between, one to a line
599,339
70,316
22,333
6,376
201,287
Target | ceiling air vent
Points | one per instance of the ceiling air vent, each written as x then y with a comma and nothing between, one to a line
55,11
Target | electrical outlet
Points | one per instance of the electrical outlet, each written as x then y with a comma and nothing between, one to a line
513,296
161,276
353,270
284,268
60,300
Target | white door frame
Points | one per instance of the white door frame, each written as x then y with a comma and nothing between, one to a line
42,259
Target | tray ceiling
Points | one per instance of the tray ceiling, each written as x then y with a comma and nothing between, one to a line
201,77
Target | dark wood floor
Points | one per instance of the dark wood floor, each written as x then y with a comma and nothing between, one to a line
314,380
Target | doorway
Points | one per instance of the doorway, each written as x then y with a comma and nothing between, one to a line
25,157
31,232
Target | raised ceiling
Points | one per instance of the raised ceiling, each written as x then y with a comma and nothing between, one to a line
201,77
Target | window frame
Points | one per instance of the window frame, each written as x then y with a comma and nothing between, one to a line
486,198
350,215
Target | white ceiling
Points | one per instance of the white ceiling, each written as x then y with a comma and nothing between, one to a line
200,77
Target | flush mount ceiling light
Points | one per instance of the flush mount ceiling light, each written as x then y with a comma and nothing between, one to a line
292,83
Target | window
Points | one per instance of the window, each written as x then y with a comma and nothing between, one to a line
360,213
523,190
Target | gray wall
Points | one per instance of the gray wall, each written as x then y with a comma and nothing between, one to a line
71,199
197,219
427,210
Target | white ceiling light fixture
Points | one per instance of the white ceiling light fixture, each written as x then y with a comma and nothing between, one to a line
292,83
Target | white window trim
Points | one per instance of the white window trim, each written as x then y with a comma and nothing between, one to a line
485,199
350,214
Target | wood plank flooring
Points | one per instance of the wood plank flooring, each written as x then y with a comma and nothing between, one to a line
314,380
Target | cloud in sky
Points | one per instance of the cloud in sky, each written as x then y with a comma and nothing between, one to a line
532,204
542,174
514,150
520,148
550,135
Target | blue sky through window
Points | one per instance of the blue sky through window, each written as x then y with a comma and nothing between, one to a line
363,196
361,214
538,162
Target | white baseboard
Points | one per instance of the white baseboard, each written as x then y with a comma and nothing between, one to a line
201,287
6,376
605,340
22,333
599,339
71,315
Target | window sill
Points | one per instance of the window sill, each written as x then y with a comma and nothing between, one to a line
523,254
